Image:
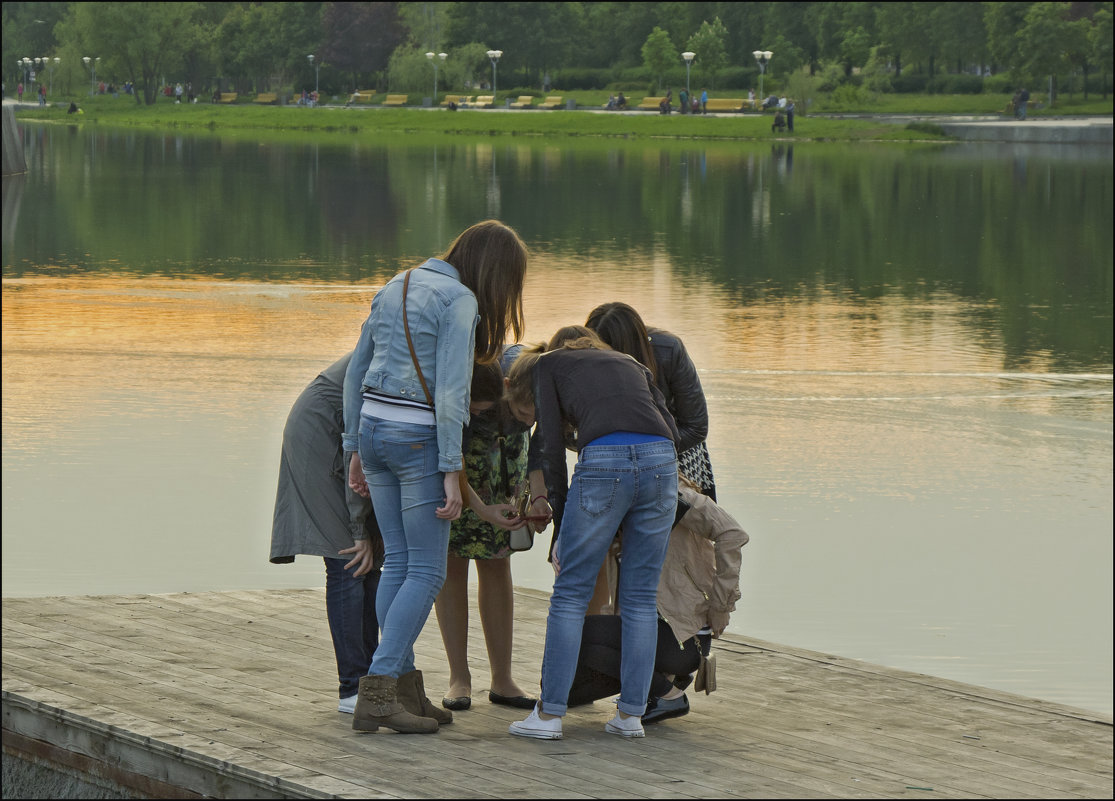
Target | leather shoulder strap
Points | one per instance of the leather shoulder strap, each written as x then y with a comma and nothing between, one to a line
410,342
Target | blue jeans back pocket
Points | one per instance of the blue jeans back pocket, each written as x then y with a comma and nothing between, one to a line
666,490
412,460
596,495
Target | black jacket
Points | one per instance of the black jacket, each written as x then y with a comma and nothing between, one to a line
677,379
598,392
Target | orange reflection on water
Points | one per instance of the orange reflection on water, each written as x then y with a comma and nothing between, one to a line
126,346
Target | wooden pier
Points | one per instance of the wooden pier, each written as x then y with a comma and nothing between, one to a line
232,694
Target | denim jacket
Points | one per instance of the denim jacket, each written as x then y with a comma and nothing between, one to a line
442,313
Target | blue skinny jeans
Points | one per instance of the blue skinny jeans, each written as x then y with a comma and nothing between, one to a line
400,463
633,487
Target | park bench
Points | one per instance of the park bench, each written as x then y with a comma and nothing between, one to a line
725,104
650,104
1031,105
484,101
362,96
524,101
265,98
458,99
228,97
553,101
395,100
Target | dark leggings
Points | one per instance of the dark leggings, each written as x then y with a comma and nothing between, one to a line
599,660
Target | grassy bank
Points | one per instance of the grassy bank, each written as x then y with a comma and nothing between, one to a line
473,122
414,120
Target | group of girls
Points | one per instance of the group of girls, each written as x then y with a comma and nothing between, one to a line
422,371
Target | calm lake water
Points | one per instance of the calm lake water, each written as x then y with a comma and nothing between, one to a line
907,352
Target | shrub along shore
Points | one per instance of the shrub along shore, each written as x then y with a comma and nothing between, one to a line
248,116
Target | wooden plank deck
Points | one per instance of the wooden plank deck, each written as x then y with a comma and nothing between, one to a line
232,694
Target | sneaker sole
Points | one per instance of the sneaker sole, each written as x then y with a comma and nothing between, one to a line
537,734
608,727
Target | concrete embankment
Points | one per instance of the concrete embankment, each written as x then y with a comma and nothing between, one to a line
1044,131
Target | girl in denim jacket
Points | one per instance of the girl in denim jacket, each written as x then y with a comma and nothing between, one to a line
406,401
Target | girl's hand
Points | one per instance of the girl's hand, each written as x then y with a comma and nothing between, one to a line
540,509
500,515
362,558
356,478
453,505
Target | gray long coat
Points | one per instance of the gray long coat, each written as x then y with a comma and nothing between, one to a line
315,511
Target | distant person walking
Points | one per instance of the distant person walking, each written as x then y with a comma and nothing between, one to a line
19,91
1020,106
790,115
704,101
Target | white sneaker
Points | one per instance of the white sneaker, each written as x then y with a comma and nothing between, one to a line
347,705
537,728
631,727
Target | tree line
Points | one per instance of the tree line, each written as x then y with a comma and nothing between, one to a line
634,47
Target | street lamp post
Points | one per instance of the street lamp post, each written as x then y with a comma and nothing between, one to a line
762,57
317,75
91,64
433,59
27,74
56,62
688,56
494,56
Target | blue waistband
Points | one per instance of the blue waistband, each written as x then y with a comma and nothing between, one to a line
626,438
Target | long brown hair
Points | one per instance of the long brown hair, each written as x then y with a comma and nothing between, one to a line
576,337
621,327
520,385
487,382
491,260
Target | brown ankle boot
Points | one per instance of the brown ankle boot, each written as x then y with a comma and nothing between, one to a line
412,695
377,704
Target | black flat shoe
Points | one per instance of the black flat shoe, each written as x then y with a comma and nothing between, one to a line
664,710
517,701
458,704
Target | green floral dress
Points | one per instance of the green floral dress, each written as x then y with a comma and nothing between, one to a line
496,464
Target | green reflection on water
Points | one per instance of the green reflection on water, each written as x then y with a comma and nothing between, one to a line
1021,233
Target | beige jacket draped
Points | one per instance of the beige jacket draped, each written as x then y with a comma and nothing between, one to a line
699,585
